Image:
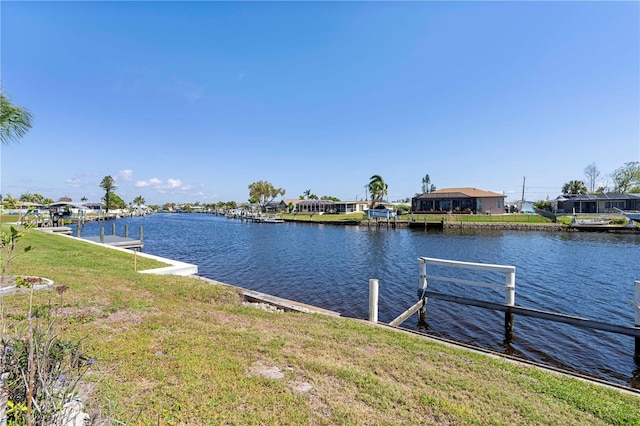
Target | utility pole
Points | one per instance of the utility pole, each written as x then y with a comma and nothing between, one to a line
524,179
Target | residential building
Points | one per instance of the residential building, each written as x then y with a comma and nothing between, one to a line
597,203
328,206
459,200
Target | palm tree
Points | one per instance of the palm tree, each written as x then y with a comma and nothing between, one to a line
574,187
378,189
15,121
305,195
138,201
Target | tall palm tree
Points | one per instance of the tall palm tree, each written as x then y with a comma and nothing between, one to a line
15,121
378,189
138,201
305,195
574,187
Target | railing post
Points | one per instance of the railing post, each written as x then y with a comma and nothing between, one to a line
422,313
636,355
423,275
373,300
510,300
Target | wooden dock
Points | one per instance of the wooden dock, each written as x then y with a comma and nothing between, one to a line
116,241
56,230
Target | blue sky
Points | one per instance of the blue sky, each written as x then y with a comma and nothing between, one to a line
193,101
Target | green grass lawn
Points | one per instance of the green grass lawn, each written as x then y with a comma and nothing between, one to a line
179,351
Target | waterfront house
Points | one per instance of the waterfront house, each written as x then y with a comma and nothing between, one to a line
352,206
458,200
316,206
292,203
29,207
333,207
94,207
597,203
276,206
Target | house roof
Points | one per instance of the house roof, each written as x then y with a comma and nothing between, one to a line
67,203
461,193
315,202
94,204
598,197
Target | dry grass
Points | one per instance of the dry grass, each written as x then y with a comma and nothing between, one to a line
175,350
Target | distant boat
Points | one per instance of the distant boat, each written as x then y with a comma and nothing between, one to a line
265,219
590,222
603,224
270,220
380,211
631,214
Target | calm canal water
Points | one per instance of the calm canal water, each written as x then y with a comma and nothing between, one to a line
590,275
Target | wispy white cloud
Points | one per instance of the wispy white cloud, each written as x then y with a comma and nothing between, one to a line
73,182
153,182
184,89
140,80
83,180
171,185
174,183
124,175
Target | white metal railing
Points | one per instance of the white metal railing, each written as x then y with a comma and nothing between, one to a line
509,308
509,274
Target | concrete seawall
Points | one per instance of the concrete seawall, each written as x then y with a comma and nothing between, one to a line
468,225
507,226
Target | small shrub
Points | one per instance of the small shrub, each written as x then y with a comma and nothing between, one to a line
58,366
39,371
26,282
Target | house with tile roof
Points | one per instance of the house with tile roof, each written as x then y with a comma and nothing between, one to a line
458,200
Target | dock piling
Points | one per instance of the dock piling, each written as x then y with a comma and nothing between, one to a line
102,234
373,300
113,228
510,300
636,355
422,313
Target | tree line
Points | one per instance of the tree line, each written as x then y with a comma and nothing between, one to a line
624,179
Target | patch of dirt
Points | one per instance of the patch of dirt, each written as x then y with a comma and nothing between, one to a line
267,371
300,386
121,319
320,410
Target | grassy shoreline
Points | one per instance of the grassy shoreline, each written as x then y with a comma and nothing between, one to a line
176,350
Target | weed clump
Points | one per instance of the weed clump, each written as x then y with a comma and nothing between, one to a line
40,372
